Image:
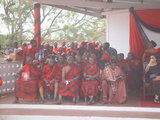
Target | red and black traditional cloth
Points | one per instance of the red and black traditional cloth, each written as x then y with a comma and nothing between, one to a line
90,87
55,50
135,75
26,86
57,72
74,50
38,76
48,76
72,88
28,50
31,51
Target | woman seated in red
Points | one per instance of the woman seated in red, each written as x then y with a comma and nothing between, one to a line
69,85
57,74
90,80
47,76
153,76
26,84
113,84
134,80
38,77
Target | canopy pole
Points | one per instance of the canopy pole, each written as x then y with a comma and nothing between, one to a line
37,24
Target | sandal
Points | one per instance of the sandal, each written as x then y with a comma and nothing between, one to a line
42,102
91,102
156,101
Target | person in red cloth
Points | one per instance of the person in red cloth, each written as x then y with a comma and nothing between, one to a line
70,79
47,76
47,50
135,73
55,49
26,84
121,62
149,51
82,48
61,51
90,80
103,61
29,50
70,47
113,83
38,76
63,47
57,75
1,81
76,46
78,62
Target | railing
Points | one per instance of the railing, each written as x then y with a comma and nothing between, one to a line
7,71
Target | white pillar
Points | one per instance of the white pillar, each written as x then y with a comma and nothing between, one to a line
117,30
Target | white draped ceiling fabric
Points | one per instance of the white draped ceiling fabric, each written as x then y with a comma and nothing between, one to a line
98,7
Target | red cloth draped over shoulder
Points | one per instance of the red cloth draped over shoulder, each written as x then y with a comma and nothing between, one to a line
91,70
72,89
90,87
73,72
47,72
26,87
28,50
48,76
55,50
38,76
57,72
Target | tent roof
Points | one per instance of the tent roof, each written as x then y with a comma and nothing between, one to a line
97,7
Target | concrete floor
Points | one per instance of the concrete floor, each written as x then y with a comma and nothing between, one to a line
133,100
25,110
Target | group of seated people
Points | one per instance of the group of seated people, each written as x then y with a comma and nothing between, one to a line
90,71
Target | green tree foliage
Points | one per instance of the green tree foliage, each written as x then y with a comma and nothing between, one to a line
56,24
15,16
4,40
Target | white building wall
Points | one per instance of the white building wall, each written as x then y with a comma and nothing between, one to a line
118,30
